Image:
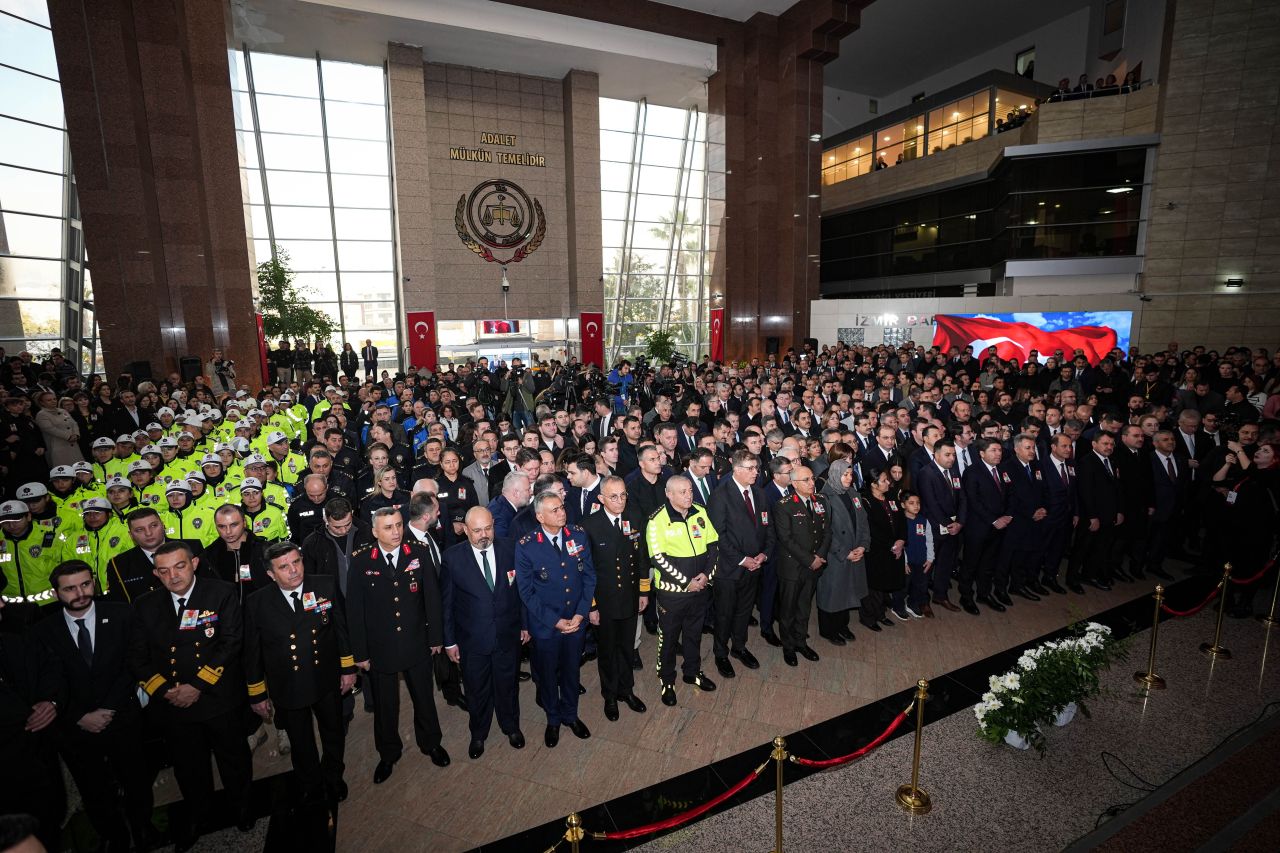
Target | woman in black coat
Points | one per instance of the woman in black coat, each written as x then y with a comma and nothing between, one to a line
886,566
349,361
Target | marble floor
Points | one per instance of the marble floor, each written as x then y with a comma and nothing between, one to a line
474,803
989,797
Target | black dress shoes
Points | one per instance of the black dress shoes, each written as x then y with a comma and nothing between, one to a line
1055,587
808,653
636,663
1002,597
1025,593
1122,575
846,633
706,685
611,710
789,658
523,676
874,626
969,607
1076,588
633,702
439,756
339,791
1102,585
552,736
582,691
669,695
725,668
580,729
771,638
834,639
245,820
991,603
746,658
587,657
457,700
752,622
516,739
382,772
1039,590
886,621
476,749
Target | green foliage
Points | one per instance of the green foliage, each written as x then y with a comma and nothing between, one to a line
284,307
1047,679
660,346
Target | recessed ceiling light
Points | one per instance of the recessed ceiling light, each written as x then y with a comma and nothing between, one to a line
1120,190
815,137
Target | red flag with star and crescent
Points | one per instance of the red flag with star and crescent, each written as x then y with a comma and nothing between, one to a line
422,338
591,323
717,334
1016,340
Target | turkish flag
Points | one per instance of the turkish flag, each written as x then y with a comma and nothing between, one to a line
422,338
591,325
1016,340
717,334
263,361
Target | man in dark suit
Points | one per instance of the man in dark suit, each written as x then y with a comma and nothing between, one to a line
131,574
604,421
185,652
369,354
985,489
1192,447
484,627
1170,490
1063,509
740,514
883,455
298,662
1027,505
516,490
100,725
583,496
1133,467
699,468
621,562
943,503
126,417
803,535
1093,558
396,623
777,487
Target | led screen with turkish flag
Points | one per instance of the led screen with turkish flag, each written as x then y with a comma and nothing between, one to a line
422,338
717,334
1015,335
591,324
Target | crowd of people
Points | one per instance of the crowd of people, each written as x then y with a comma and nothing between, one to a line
184,562
1103,87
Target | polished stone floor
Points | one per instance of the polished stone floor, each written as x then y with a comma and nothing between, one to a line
473,803
989,797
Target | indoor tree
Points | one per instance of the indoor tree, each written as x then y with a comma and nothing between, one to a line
286,313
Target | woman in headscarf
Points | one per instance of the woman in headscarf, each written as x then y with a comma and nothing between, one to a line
843,582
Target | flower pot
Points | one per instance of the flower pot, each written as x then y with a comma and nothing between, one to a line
1066,715
1017,741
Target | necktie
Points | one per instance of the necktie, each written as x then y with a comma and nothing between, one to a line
702,489
1168,464
555,542
1106,463
182,604
391,563
488,570
617,524
1028,467
751,509
1062,472
297,601
995,475
84,642
583,503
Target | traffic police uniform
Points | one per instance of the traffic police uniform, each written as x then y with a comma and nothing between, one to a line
193,521
296,650
556,583
680,549
26,562
291,466
95,547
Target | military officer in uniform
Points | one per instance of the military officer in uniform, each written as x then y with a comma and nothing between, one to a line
396,624
683,550
298,661
616,535
804,534
557,580
185,652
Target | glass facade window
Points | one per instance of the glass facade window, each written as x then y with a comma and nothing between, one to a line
46,294
658,249
316,166
959,122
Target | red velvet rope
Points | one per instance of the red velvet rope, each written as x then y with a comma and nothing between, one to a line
1193,611
683,817
845,759
1246,581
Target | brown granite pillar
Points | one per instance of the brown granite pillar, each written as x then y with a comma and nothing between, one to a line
582,188
148,105
410,150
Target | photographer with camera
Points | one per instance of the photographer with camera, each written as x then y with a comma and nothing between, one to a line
518,392
221,372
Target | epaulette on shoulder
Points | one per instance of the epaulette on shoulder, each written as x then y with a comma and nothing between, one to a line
363,549
654,514
526,539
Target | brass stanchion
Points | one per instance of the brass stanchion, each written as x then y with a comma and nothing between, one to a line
1215,649
1270,619
573,832
912,797
779,756
1149,679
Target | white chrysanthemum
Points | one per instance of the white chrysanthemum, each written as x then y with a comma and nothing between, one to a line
1011,681
1027,662
1097,628
993,683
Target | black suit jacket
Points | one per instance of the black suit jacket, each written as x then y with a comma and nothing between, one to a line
574,498
802,534
108,683
941,496
1026,494
205,653
621,561
393,635
130,573
1168,495
984,500
1100,493
296,658
476,619
121,422
1063,496
742,534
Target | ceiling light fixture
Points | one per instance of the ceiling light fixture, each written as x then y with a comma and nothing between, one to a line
1120,190
815,137
1234,283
